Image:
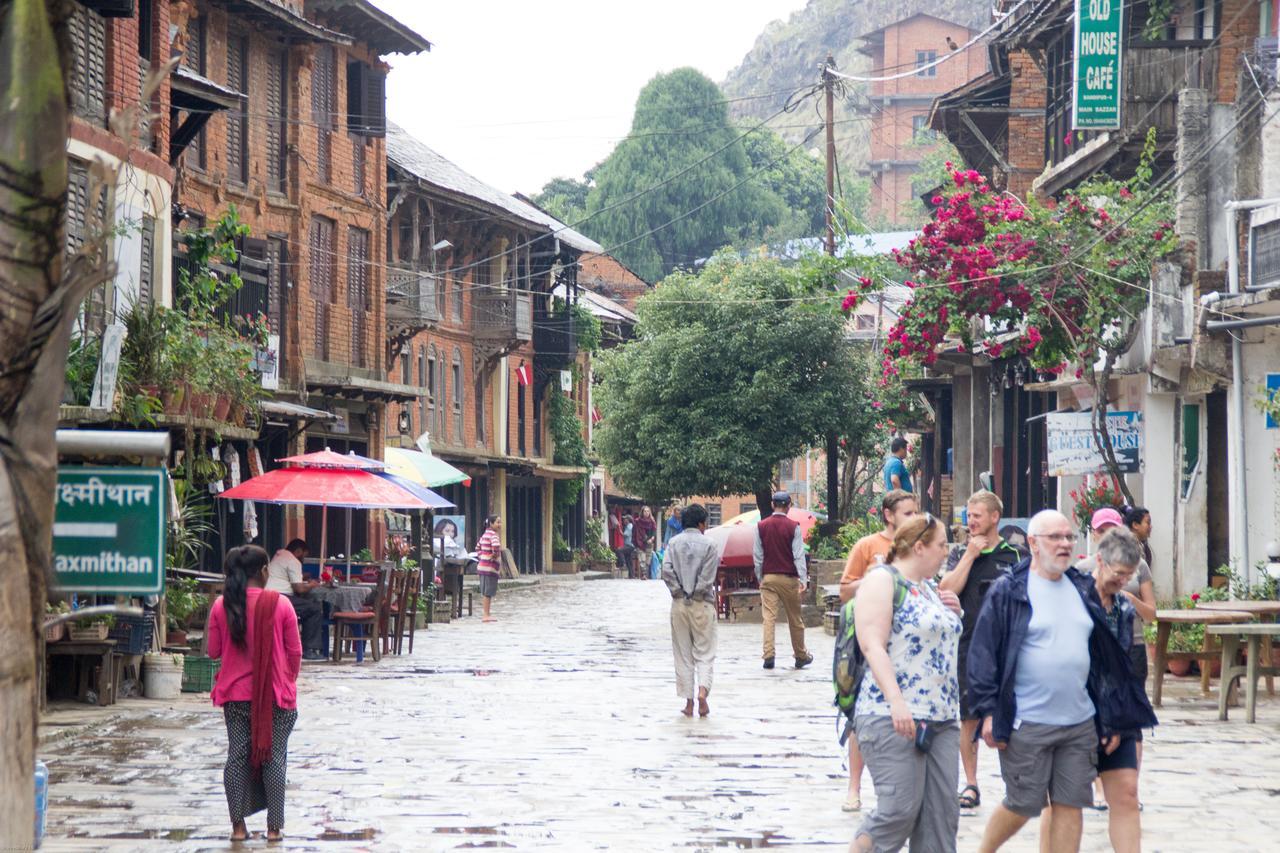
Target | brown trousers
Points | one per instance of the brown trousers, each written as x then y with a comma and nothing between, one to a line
784,591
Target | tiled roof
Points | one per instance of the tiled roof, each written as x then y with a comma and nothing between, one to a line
412,156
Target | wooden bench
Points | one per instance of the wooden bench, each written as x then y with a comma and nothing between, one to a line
1165,620
1264,611
1253,634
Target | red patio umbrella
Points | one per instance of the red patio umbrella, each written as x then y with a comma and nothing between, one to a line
807,520
340,486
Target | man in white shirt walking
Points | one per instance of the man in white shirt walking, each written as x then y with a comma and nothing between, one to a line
689,567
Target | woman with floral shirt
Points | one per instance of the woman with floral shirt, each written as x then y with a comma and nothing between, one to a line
908,707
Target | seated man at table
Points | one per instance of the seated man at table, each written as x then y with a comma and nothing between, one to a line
284,575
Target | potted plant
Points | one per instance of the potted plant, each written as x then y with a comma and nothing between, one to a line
92,628
55,632
182,598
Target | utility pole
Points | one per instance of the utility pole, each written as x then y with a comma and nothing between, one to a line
833,448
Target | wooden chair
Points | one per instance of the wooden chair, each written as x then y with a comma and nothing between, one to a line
370,621
404,610
389,615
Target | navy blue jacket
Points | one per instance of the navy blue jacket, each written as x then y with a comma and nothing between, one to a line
1119,699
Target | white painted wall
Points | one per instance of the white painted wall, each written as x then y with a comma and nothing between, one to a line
136,192
1262,481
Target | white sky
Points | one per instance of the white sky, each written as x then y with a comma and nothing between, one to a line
519,92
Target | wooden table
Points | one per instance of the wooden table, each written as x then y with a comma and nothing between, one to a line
1254,634
1266,611
1166,619
102,650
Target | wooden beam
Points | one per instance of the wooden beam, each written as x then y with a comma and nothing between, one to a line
982,139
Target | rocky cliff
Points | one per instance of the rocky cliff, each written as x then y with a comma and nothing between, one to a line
789,54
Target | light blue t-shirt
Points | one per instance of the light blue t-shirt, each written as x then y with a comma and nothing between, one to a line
894,465
1053,663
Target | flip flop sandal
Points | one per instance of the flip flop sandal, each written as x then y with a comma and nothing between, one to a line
968,800
852,804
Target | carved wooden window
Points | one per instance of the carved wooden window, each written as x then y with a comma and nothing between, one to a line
459,392
358,292
238,116
323,279
87,31
323,104
277,120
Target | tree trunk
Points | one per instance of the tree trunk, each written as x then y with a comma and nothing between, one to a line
40,299
1100,379
764,500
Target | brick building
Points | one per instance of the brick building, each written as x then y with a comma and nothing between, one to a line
470,304
608,276
900,132
112,56
283,109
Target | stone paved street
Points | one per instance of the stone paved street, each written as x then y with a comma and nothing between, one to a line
557,728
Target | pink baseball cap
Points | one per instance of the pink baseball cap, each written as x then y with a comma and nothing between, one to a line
1106,516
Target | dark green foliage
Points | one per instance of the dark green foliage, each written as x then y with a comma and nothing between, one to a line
680,120
734,369
564,198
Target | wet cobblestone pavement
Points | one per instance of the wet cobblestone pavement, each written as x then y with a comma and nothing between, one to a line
558,728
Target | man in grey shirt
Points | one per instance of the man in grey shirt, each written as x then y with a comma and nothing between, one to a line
1037,622
689,567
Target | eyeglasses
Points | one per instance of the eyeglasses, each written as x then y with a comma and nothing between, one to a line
1069,538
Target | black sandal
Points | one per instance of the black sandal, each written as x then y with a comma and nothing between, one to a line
968,800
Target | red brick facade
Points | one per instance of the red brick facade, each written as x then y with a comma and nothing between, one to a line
609,277
899,130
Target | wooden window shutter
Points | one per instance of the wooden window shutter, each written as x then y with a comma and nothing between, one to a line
321,267
358,292
88,34
375,102
276,290
146,266
322,109
356,73
77,203
193,48
237,123
277,117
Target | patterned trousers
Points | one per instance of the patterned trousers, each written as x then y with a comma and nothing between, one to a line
246,795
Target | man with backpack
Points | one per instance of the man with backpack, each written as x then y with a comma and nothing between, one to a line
971,571
689,566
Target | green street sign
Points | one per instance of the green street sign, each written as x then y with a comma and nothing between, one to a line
109,530
1097,87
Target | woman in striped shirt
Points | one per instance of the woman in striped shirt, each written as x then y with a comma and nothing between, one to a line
488,554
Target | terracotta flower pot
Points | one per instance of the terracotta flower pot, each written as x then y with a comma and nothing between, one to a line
221,408
175,638
174,399
201,404
1179,667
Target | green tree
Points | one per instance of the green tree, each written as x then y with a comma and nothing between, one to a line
644,192
795,177
564,198
733,370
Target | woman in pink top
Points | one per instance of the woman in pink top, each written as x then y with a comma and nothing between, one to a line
255,633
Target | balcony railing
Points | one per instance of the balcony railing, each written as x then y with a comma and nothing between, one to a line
555,341
502,315
412,297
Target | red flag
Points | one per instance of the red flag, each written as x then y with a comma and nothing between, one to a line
524,375
596,417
